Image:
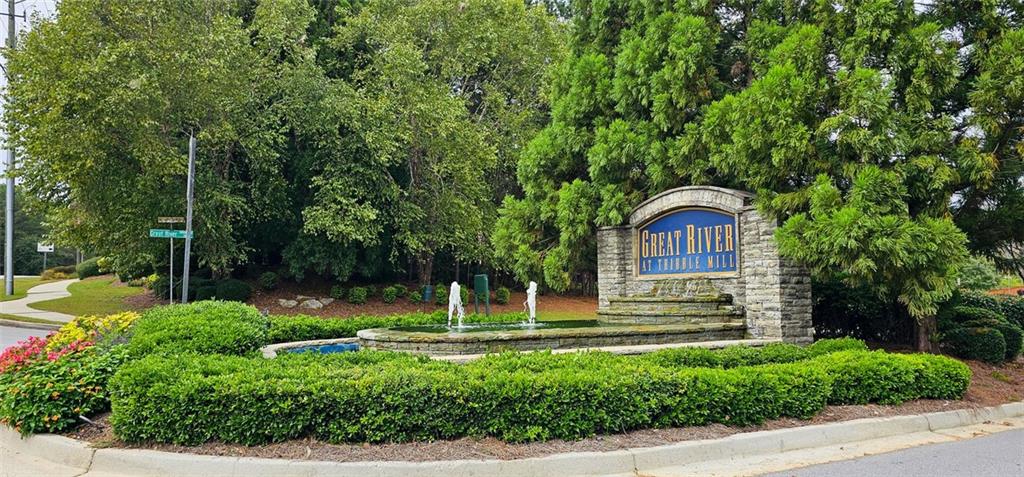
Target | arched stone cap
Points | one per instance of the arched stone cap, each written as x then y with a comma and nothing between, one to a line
729,200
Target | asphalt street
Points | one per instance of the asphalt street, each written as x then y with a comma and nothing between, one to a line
996,455
10,335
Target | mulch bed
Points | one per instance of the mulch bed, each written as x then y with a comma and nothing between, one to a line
990,386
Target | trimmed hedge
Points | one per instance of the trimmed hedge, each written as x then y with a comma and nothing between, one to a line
233,289
268,280
1012,335
284,328
389,295
985,344
1013,309
202,327
502,295
88,268
357,295
392,397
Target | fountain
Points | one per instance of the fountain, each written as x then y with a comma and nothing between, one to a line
697,312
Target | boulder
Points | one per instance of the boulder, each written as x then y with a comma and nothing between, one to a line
312,304
327,301
287,303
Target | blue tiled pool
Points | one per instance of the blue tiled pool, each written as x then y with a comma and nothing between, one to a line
326,349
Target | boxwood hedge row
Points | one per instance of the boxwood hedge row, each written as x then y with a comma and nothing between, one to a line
390,397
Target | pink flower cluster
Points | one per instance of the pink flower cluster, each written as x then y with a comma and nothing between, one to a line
72,347
33,350
22,354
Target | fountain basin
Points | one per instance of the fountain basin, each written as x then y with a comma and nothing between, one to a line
438,340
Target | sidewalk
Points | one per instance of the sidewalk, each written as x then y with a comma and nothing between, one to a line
38,293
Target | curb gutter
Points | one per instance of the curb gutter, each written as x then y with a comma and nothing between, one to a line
123,462
30,325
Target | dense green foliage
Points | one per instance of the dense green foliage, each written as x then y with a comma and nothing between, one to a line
501,295
233,290
88,268
978,274
855,122
386,397
357,295
1013,309
984,344
284,328
30,231
201,327
49,395
389,295
268,280
335,138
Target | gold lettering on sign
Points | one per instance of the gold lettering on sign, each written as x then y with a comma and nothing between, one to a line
689,239
718,238
661,244
728,238
644,250
707,238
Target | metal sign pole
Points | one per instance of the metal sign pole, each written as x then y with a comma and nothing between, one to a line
188,215
171,291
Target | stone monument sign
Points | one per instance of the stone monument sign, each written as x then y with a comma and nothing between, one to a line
702,255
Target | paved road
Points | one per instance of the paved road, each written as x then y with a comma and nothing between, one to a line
38,293
995,455
10,335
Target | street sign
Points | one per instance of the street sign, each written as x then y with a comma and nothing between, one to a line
170,220
166,233
44,247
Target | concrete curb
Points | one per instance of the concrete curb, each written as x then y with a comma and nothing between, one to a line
120,462
26,324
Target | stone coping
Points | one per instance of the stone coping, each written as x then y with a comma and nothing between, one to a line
672,299
392,335
270,351
52,454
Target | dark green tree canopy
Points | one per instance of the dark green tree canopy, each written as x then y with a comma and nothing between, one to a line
856,122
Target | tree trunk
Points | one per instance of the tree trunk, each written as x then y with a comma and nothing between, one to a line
424,268
925,328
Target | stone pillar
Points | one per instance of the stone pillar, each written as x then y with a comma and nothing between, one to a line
614,260
778,292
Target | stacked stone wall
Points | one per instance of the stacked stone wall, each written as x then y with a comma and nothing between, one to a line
774,292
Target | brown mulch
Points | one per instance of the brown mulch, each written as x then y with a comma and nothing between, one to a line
990,386
1013,291
582,306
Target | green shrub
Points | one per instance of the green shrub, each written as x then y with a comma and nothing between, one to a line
268,280
233,290
88,268
502,295
393,397
284,328
401,291
371,291
357,295
963,314
1013,309
735,356
978,273
389,295
338,292
440,294
826,346
205,293
977,300
49,395
1012,335
201,327
985,344
415,296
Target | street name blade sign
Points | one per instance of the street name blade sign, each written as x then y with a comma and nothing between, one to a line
165,233
170,220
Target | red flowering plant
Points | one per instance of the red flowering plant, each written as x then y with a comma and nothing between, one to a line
48,391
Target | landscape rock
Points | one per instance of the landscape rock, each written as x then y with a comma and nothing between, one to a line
312,304
287,303
326,301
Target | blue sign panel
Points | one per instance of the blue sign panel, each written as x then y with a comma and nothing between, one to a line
688,241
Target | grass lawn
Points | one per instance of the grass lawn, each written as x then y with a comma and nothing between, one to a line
94,296
21,286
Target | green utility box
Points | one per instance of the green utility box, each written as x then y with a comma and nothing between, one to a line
481,291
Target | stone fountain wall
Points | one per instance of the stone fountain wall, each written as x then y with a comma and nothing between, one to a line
772,293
